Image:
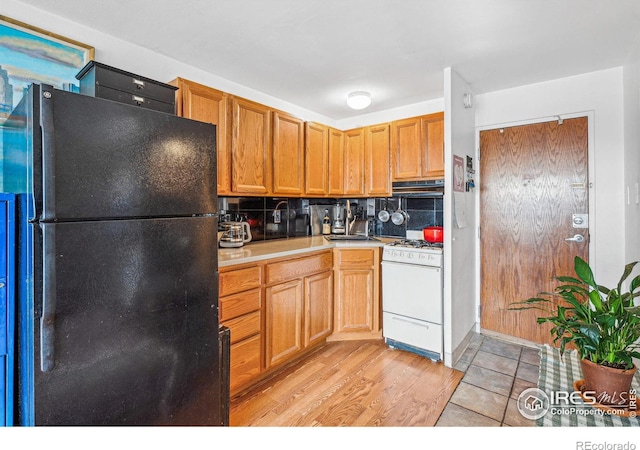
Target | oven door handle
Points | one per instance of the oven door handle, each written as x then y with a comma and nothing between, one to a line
412,322
401,264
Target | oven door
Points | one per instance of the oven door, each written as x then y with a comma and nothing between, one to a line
412,290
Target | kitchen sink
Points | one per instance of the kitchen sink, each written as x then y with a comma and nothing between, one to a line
350,237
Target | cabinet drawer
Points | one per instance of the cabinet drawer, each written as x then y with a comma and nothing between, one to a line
296,268
357,257
134,99
236,305
244,326
239,280
96,74
245,361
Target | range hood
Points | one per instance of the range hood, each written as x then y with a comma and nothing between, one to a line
426,188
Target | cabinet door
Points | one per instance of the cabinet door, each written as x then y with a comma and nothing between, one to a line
433,130
250,148
336,162
377,160
288,154
245,362
407,148
316,159
205,104
318,307
354,300
354,162
357,293
283,336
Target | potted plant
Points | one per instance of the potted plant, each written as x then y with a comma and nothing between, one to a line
602,323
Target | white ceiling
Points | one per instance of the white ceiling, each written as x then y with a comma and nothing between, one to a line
312,53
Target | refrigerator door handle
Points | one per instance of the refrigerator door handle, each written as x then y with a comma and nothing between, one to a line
48,154
47,321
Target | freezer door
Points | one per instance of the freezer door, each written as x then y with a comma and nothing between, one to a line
127,326
104,159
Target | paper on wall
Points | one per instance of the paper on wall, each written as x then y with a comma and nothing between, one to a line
459,208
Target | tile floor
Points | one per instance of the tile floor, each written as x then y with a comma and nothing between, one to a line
496,372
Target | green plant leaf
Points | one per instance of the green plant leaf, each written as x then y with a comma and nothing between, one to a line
627,271
596,301
584,272
635,284
566,279
592,333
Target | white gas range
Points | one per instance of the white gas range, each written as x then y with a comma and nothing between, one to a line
412,297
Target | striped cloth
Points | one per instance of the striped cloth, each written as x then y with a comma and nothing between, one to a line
558,373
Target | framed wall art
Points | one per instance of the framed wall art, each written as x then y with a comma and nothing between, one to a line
32,55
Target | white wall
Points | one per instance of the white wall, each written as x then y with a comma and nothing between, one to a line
459,248
631,98
127,56
601,94
132,58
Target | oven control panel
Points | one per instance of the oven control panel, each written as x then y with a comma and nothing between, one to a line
412,256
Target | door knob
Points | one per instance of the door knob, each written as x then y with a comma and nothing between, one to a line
576,238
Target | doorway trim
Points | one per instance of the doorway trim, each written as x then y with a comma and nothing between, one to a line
590,115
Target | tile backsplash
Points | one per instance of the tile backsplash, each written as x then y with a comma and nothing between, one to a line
422,212
276,218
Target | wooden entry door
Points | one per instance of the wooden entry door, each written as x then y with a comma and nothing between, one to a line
533,179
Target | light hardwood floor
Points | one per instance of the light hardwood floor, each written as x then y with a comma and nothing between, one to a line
350,383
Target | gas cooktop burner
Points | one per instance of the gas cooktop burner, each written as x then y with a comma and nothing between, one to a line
415,243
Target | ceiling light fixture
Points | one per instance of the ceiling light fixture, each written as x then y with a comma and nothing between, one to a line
359,100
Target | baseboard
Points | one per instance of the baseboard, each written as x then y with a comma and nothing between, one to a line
511,339
460,349
355,336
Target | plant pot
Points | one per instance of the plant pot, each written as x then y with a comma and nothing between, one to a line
611,386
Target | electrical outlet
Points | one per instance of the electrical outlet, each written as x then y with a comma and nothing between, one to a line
371,207
277,218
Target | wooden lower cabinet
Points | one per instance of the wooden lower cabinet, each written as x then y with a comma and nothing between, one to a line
357,294
279,309
298,306
318,307
241,311
283,321
245,363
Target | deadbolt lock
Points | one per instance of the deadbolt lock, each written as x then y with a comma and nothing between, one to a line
580,220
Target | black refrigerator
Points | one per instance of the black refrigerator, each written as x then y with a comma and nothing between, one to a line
117,317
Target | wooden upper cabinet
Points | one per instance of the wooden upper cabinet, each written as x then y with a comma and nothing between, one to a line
316,159
417,148
433,130
407,148
377,169
198,102
251,156
288,155
336,162
354,157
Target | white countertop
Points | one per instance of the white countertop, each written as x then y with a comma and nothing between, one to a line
277,248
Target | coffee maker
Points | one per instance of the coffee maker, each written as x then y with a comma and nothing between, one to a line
234,234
